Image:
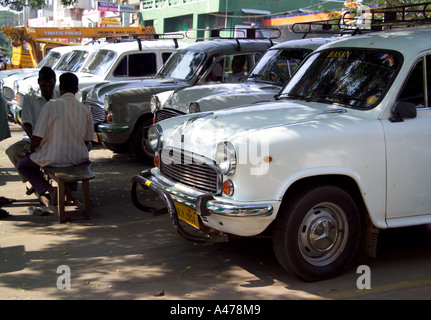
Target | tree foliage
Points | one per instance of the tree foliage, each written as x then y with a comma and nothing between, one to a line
18,5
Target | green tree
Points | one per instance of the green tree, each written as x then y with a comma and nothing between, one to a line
18,5
7,18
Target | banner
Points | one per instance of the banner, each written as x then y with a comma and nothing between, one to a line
106,6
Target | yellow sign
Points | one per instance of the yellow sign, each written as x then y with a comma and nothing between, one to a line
109,21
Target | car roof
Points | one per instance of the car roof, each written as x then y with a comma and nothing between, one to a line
310,43
230,46
408,41
134,45
64,49
68,48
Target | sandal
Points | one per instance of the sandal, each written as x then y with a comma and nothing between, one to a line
29,191
5,201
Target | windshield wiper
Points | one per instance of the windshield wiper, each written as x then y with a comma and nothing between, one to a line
292,96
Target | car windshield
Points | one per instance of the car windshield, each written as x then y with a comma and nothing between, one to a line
100,63
278,66
182,65
72,61
50,59
353,77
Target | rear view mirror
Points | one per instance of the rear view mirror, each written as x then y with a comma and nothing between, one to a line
403,110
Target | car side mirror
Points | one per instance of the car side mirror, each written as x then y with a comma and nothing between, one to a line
403,110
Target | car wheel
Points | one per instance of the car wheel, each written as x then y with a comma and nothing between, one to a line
139,142
317,234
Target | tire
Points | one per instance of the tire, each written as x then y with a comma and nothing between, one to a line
138,142
317,234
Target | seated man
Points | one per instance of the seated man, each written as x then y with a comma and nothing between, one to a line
31,109
60,137
4,134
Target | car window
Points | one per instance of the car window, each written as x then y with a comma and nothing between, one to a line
100,63
417,84
136,65
278,66
142,65
355,78
165,56
232,68
182,65
50,59
121,69
72,61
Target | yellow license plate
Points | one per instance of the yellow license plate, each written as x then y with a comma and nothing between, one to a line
187,214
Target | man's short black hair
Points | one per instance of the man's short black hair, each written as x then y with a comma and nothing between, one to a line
46,74
69,82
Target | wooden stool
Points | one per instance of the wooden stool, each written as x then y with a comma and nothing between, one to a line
80,173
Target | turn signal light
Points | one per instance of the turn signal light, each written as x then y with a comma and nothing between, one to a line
228,187
156,161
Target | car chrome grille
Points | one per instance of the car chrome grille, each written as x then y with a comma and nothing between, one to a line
191,170
163,114
97,112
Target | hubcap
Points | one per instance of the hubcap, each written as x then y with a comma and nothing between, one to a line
323,233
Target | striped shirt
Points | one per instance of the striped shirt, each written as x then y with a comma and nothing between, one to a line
64,125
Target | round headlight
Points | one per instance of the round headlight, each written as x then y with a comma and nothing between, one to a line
194,107
154,104
155,137
226,158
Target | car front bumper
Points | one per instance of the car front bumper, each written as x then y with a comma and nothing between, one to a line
114,134
216,218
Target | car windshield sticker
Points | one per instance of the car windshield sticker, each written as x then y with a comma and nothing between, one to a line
339,54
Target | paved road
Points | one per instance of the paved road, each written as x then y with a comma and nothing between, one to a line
123,253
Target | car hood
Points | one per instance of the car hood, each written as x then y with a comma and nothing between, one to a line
213,97
9,80
203,131
7,73
99,91
86,79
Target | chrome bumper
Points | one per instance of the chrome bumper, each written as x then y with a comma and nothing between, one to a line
204,204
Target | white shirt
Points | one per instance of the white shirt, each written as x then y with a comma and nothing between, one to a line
32,107
64,125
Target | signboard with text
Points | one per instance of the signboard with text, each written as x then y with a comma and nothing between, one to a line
106,6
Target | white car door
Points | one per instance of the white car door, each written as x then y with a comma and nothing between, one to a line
409,152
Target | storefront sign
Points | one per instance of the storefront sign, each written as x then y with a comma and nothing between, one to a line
106,6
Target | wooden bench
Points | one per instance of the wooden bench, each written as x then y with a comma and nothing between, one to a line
80,173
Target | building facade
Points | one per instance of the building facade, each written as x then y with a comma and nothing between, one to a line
175,15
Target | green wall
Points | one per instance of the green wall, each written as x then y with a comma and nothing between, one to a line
201,14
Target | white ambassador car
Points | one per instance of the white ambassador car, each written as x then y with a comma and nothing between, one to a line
345,148
52,59
69,59
124,61
266,79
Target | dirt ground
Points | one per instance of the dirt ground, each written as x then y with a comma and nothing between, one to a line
123,253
